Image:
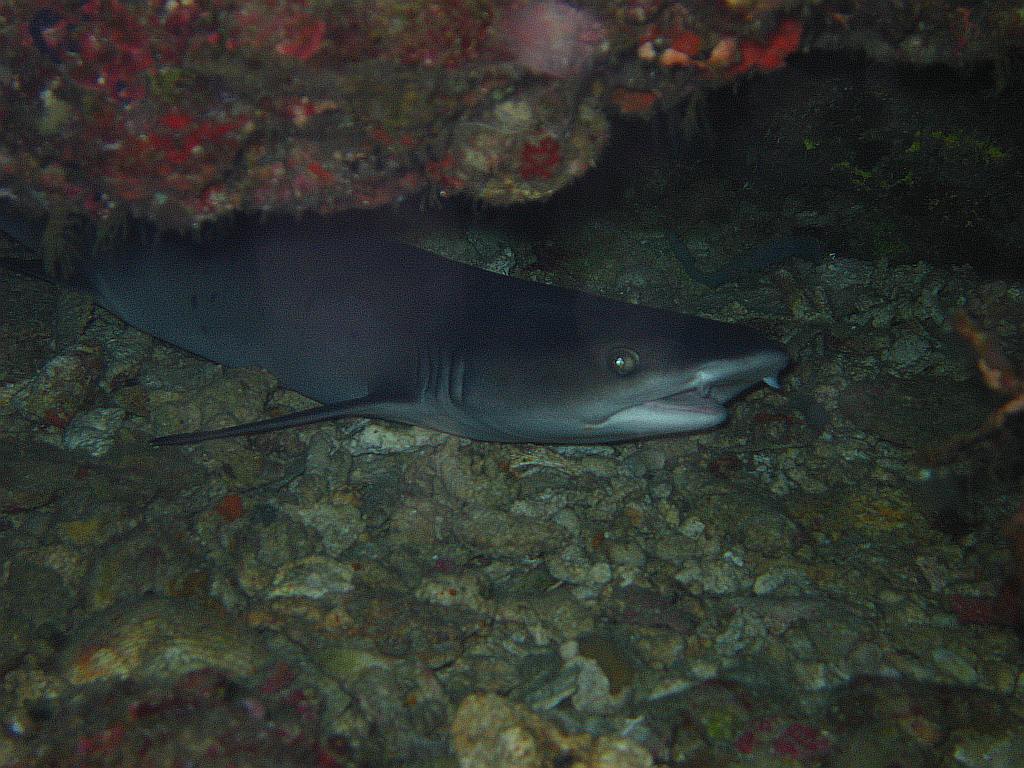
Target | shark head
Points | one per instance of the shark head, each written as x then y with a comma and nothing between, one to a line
612,371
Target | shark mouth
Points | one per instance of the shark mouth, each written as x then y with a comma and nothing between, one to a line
700,404
710,400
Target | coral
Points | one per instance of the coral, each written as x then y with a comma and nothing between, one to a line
230,508
551,37
633,102
795,741
184,111
1007,608
771,55
304,40
1011,596
444,34
999,375
539,159
682,50
997,372
201,718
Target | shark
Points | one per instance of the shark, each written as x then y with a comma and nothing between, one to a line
371,327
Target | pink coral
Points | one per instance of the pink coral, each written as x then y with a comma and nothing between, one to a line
551,37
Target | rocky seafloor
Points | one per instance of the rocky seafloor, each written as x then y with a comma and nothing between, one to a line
801,587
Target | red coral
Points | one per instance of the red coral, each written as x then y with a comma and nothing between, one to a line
687,42
101,743
769,56
117,47
230,507
175,121
784,42
304,39
280,676
538,161
633,102
796,741
978,610
442,173
180,152
322,174
286,27
1007,608
801,742
749,739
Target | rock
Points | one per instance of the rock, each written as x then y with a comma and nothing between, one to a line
61,387
93,432
36,595
337,521
381,438
986,751
491,732
159,638
312,577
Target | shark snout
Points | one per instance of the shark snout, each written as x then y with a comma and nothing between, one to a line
722,380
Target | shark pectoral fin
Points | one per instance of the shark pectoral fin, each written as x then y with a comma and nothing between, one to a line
297,419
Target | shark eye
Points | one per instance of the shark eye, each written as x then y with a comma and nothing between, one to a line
624,361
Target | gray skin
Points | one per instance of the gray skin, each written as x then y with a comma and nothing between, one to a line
381,329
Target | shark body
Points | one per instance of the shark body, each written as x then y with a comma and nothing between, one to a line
376,328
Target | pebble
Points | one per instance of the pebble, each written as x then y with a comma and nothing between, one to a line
955,666
788,580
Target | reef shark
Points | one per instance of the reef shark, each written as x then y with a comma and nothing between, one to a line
376,328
